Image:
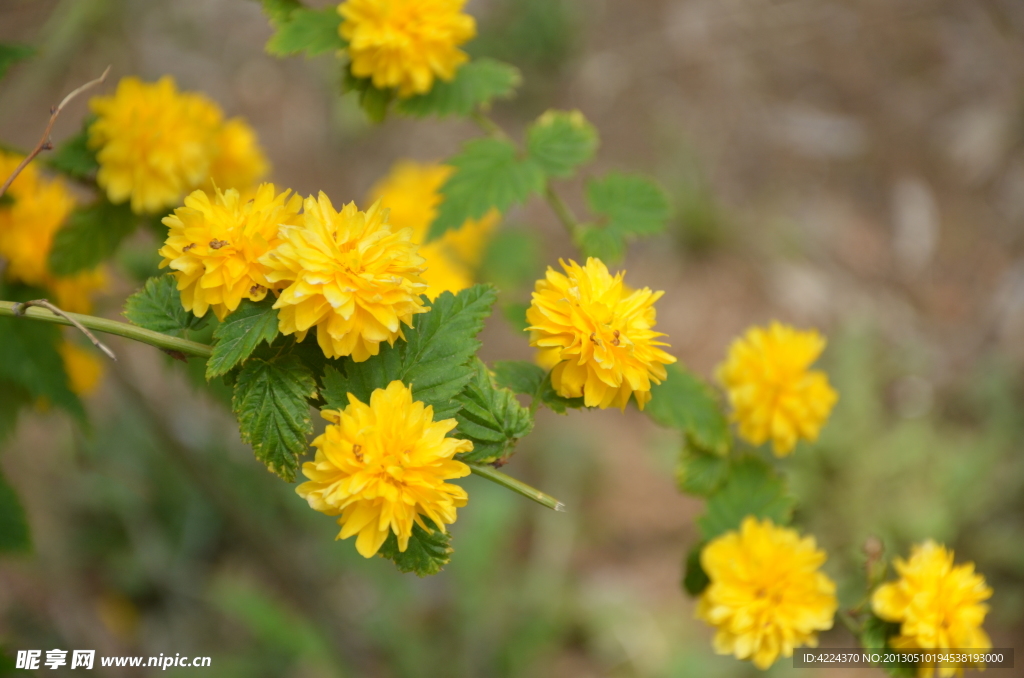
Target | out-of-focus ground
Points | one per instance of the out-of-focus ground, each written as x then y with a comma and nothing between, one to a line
852,165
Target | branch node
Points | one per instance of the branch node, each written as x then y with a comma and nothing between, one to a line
19,311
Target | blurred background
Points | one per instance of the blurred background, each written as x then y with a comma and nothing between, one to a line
852,165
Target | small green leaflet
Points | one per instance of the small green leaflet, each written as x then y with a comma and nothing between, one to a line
12,53
686,403
14,534
491,417
74,157
751,489
271,402
875,637
433,360
306,30
373,101
488,174
475,85
91,235
240,333
631,206
279,11
699,473
695,579
527,378
157,306
426,553
561,141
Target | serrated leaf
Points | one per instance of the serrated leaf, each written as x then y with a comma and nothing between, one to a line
14,534
631,205
699,473
684,402
307,30
425,554
488,174
240,333
695,579
475,85
279,11
91,235
12,53
157,306
271,402
491,417
433,360
74,157
603,243
519,375
752,488
561,141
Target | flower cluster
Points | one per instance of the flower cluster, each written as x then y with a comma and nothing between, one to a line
406,44
34,210
411,194
603,334
773,393
155,144
766,594
381,468
937,604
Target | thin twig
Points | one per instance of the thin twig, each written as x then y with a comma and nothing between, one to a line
19,311
45,143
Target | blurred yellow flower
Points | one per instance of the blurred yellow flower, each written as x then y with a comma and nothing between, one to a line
773,393
82,366
347,274
406,43
604,332
411,193
381,467
37,209
74,293
215,246
937,604
766,594
239,162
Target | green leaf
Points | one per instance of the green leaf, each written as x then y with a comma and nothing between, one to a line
875,635
433,360
686,403
561,141
271,402
157,306
530,379
240,333
279,11
306,30
751,489
632,204
90,235
491,417
475,85
699,473
74,157
513,259
695,579
14,535
426,552
12,53
603,243
488,174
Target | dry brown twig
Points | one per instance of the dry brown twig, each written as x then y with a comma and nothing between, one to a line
45,144
45,303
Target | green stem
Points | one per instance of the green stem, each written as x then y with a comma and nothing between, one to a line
162,341
508,482
487,125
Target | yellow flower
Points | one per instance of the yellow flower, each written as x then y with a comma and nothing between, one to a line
214,246
406,43
349,275
239,162
411,193
604,332
766,594
73,293
82,366
773,394
153,143
381,467
28,224
937,604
